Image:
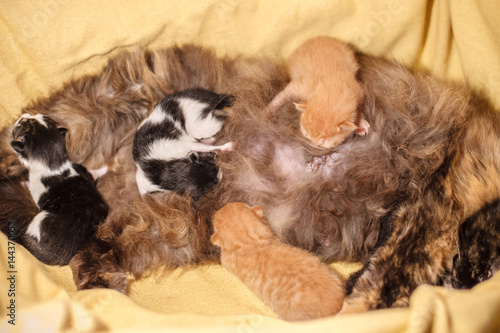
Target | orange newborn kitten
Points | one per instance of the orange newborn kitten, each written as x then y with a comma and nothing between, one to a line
324,86
291,281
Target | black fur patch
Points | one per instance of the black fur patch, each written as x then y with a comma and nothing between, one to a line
479,248
148,134
190,175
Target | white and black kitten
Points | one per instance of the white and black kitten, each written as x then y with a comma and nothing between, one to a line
70,206
172,147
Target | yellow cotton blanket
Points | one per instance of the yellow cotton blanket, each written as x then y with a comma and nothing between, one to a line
43,44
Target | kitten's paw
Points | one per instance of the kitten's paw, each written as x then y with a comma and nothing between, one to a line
363,128
97,173
229,146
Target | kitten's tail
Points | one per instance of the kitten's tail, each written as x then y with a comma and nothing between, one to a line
17,208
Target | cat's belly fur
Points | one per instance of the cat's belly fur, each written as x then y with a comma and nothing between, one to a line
308,201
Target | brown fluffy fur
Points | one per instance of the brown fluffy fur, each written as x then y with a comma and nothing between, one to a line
332,209
324,87
464,175
17,206
393,198
293,282
102,113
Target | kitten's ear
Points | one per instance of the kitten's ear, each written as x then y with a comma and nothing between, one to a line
225,101
302,107
215,239
18,145
258,211
348,126
62,130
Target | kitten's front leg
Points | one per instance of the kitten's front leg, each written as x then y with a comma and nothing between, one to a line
278,100
97,173
201,147
363,127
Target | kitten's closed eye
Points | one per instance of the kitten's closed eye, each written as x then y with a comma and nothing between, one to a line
62,130
348,126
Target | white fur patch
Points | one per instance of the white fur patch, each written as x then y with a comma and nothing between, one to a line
39,170
97,173
38,117
167,150
34,226
144,184
157,116
196,126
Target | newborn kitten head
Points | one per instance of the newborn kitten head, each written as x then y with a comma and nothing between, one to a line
331,116
38,139
237,225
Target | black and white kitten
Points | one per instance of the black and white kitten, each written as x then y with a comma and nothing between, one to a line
172,147
70,206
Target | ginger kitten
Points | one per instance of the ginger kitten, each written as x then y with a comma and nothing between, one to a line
324,89
293,282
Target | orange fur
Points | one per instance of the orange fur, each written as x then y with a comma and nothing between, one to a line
293,282
323,82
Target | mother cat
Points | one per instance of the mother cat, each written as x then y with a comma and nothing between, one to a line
429,162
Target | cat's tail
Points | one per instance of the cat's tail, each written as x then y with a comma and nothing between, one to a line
17,208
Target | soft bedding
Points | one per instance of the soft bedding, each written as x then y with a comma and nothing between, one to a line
44,44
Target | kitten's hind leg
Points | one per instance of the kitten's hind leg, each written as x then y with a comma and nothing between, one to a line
35,225
278,100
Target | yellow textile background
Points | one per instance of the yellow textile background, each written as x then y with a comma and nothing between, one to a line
43,44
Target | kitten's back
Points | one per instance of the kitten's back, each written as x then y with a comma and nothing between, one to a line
293,282
323,79
297,284
321,58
